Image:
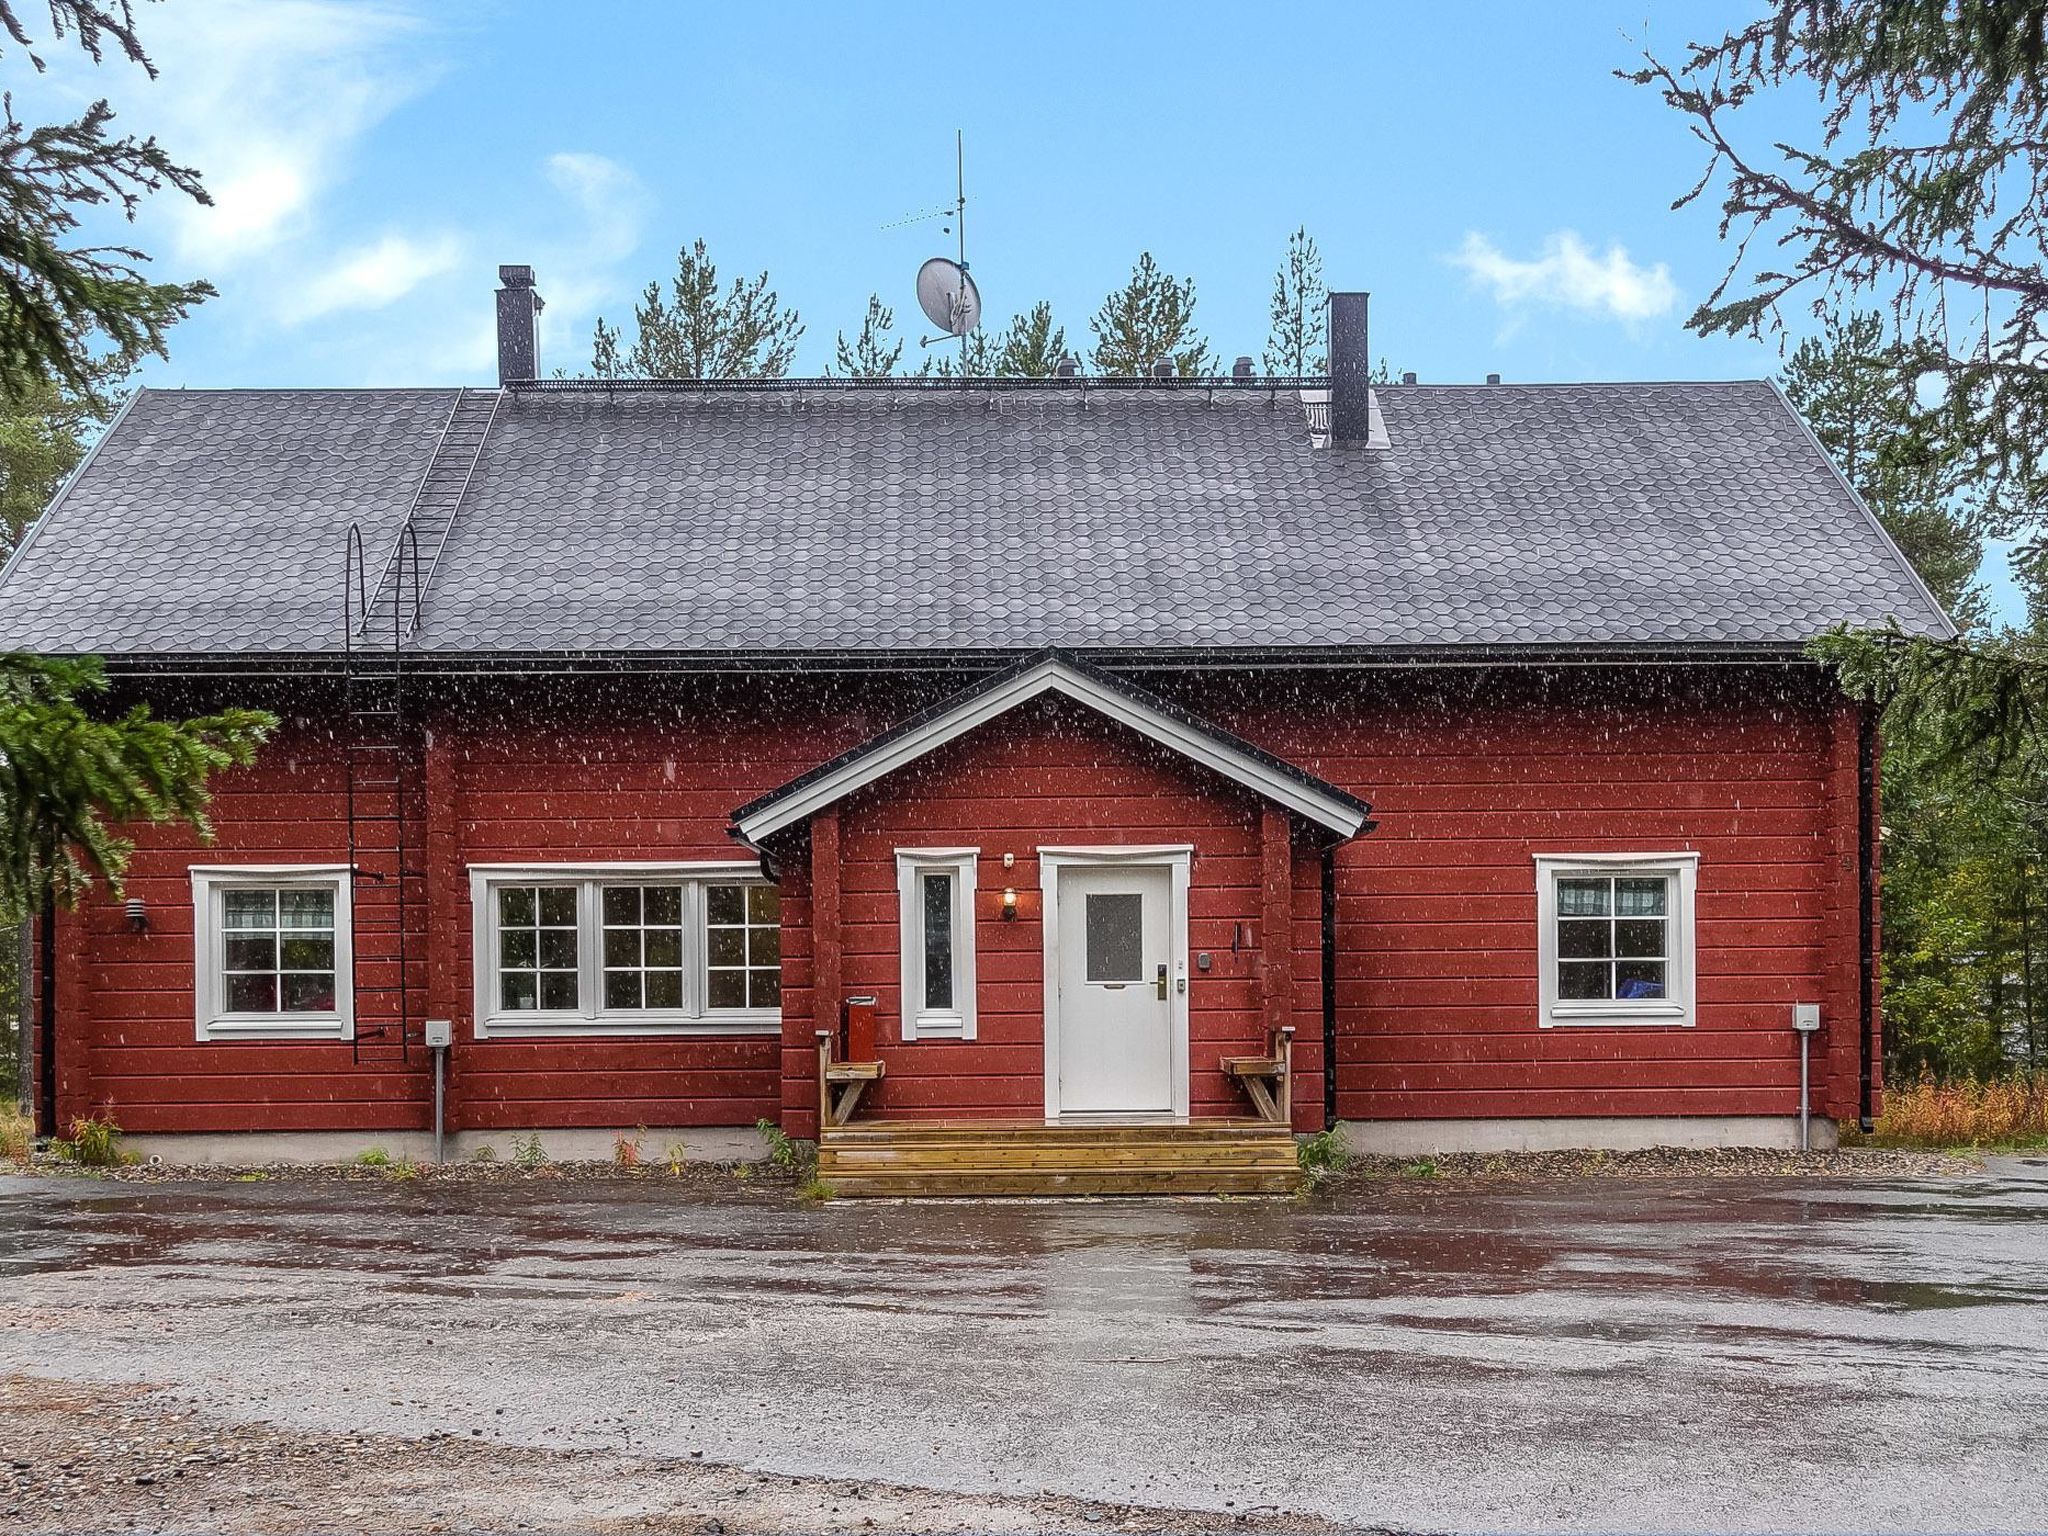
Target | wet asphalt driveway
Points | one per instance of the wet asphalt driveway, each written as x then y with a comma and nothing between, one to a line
1594,1354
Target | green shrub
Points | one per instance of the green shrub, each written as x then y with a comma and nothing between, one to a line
527,1152
94,1142
373,1157
1323,1153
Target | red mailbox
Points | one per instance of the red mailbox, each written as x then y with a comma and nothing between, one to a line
860,1029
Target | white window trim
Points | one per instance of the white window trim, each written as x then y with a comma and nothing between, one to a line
489,1022
1675,1010
211,1021
957,1022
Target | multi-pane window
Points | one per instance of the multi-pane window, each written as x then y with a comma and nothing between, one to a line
271,952
743,946
626,949
538,936
277,949
1615,941
1613,936
935,893
643,946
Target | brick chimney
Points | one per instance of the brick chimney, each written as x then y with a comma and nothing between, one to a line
519,310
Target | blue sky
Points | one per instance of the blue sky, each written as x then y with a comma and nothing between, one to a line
1476,166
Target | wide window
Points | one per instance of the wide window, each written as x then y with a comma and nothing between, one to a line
271,952
935,897
1616,938
627,949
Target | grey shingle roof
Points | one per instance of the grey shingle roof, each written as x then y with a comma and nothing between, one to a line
1544,516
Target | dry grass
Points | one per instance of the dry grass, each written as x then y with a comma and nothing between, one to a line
16,1131
2005,1112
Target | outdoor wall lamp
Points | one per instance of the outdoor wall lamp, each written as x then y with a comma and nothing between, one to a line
1009,903
138,914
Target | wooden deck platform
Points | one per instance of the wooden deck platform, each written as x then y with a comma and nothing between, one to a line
1034,1157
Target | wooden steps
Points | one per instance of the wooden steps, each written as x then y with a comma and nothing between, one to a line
880,1158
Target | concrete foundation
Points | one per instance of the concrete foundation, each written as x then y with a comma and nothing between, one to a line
1402,1138
249,1149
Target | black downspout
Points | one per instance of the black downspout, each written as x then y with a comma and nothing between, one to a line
1329,987
1866,913
46,1045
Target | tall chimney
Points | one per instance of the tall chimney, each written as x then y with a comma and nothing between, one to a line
519,310
1350,372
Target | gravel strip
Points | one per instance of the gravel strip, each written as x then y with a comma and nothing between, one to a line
98,1459
1676,1162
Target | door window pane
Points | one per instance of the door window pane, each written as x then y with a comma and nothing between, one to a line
1116,936
278,949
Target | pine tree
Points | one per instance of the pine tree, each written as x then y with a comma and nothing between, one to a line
62,302
44,429
871,355
69,778
697,332
1151,319
1033,346
974,359
1299,341
1858,391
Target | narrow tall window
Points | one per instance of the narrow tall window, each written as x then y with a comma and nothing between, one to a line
643,946
938,939
935,892
1615,941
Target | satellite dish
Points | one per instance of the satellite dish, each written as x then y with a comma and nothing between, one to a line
948,297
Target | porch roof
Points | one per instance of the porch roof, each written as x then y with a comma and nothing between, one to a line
1299,791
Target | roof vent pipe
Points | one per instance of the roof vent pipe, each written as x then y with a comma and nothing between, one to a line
1241,369
1350,371
519,308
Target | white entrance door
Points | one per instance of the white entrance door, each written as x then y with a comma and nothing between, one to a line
1117,972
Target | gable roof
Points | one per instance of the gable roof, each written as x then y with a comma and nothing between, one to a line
1314,799
821,519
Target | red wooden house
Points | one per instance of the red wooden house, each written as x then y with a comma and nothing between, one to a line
1109,735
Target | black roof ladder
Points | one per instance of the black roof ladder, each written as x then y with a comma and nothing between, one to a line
383,747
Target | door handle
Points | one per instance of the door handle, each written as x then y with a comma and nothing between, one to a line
1162,983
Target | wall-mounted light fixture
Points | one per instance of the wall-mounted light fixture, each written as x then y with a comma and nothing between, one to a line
1009,903
138,914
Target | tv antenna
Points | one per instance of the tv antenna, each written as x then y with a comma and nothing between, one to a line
945,291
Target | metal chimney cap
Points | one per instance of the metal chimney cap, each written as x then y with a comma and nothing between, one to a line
1241,369
1068,366
1163,369
1493,378
1407,378
516,276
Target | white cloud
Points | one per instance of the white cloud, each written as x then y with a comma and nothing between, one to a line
375,275
269,99
1568,275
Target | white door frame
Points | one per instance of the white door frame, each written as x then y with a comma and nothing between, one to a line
1178,860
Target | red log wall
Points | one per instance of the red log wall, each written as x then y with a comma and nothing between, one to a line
1436,915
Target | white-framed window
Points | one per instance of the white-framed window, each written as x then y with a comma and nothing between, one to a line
626,949
1615,938
270,952
935,903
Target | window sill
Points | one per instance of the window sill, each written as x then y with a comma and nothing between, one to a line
277,1026
938,1026
516,1026
1664,1015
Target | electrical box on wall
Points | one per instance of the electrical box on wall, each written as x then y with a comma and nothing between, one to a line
440,1032
1806,1017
